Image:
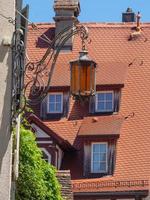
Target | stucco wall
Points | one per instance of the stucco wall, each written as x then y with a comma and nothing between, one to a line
7,8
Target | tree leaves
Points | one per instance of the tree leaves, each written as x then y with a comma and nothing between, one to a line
37,179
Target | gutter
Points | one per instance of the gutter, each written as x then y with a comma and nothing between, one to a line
126,194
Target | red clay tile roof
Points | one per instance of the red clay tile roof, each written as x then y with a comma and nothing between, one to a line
109,184
101,125
112,71
110,44
66,129
62,142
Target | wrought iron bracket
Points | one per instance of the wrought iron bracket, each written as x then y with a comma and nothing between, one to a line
18,52
35,72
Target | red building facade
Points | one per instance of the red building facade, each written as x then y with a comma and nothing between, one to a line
103,141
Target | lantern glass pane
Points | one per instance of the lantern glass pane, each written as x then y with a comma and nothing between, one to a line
93,78
74,78
88,84
82,78
85,77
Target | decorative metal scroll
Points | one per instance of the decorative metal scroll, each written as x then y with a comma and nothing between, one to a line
17,73
39,74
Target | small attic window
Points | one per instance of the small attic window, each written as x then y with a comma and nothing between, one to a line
55,103
104,101
99,158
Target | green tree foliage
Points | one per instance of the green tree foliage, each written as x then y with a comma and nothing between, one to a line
37,179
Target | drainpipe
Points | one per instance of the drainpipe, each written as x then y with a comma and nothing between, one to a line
15,163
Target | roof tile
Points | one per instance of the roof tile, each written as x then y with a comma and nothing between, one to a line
103,125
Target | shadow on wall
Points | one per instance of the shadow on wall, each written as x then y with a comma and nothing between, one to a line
78,110
3,51
5,102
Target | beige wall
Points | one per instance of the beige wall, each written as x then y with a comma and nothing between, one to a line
7,8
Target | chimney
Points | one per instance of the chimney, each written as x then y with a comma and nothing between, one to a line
66,13
128,16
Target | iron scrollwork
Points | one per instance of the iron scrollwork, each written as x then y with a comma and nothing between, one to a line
39,73
17,73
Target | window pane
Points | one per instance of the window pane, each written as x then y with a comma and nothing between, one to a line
99,160
104,102
55,103
108,96
58,107
101,97
51,98
101,106
96,148
103,167
108,105
58,98
51,107
103,148
96,167
103,157
96,157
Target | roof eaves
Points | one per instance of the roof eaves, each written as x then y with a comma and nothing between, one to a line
64,144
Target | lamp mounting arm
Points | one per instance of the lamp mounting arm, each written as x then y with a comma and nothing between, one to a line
38,74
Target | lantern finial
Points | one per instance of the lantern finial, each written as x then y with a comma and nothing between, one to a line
84,36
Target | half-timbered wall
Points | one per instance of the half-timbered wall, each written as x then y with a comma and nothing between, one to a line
48,146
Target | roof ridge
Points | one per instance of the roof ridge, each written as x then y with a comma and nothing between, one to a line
62,122
96,24
35,119
42,23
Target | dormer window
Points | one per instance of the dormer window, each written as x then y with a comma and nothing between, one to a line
104,101
55,103
99,158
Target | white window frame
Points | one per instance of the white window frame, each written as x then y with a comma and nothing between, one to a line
48,155
92,171
54,93
96,104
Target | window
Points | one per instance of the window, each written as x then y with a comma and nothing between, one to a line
99,158
45,155
105,101
55,103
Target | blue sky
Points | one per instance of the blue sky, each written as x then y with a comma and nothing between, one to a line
91,10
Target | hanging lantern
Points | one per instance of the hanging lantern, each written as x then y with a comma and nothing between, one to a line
83,76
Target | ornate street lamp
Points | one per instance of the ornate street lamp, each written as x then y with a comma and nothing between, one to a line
82,82
38,74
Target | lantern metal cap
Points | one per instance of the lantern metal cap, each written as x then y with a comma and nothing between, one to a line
83,57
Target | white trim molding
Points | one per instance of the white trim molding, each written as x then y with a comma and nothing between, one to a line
47,153
44,142
39,132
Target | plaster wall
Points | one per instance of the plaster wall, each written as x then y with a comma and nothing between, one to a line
7,8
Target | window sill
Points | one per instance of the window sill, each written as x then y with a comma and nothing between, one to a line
97,111
97,175
102,113
54,116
